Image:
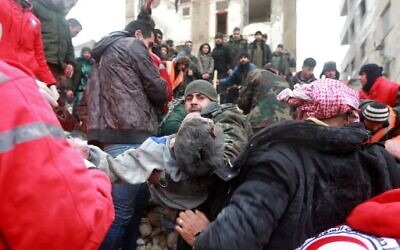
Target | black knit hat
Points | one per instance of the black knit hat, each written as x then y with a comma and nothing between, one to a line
309,62
372,71
375,112
329,66
202,87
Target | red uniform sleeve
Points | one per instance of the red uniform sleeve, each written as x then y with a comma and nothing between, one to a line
43,72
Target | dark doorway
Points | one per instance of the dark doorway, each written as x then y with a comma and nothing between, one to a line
222,22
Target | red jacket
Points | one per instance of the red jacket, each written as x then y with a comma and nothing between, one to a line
163,73
383,90
48,198
22,40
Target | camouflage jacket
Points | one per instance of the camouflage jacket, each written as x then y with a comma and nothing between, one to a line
257,99
237,130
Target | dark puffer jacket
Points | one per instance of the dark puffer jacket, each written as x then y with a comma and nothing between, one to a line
297,179
123,91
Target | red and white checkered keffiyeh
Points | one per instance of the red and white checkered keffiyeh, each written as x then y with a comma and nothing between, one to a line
322,99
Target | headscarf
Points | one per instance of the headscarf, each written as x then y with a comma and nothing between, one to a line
323,99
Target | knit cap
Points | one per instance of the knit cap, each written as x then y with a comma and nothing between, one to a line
329,66
375,112
202,87
309,62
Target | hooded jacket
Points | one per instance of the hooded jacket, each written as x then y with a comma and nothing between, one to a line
296,79
21,40
49,199
123,91
296,179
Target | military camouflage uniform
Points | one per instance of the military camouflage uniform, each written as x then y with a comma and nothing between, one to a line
257,99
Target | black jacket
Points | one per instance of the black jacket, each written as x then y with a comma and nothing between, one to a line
222,60
297,179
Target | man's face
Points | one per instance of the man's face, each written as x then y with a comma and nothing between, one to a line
307,72
149,41
181,67
219,41
189,45
87,55
157,40
236,35
258,37
331,74
196,102
373,126
164,51
363,79
243,60
74,30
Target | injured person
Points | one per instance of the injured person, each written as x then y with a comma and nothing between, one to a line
181,164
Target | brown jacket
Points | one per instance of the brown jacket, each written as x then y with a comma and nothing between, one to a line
123,91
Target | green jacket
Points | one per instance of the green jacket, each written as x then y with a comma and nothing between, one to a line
237,130
55,32
257,99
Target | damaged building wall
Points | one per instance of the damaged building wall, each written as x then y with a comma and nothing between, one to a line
199,20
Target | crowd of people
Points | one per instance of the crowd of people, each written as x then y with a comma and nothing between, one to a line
248,154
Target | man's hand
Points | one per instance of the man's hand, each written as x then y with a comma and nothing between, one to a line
54,92
230,71
190,224
80,146
69,94
69,70
47,93
205,76
393,147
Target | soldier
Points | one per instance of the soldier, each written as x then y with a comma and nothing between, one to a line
257,99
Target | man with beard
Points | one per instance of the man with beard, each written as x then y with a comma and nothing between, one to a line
236,79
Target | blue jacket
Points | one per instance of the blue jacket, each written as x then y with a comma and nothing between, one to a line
238,76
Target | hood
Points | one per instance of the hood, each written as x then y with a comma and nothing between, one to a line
102,45
321,138
378,216
26,5
59,8
309,80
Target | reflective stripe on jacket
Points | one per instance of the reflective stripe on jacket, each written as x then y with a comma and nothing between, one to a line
49,199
